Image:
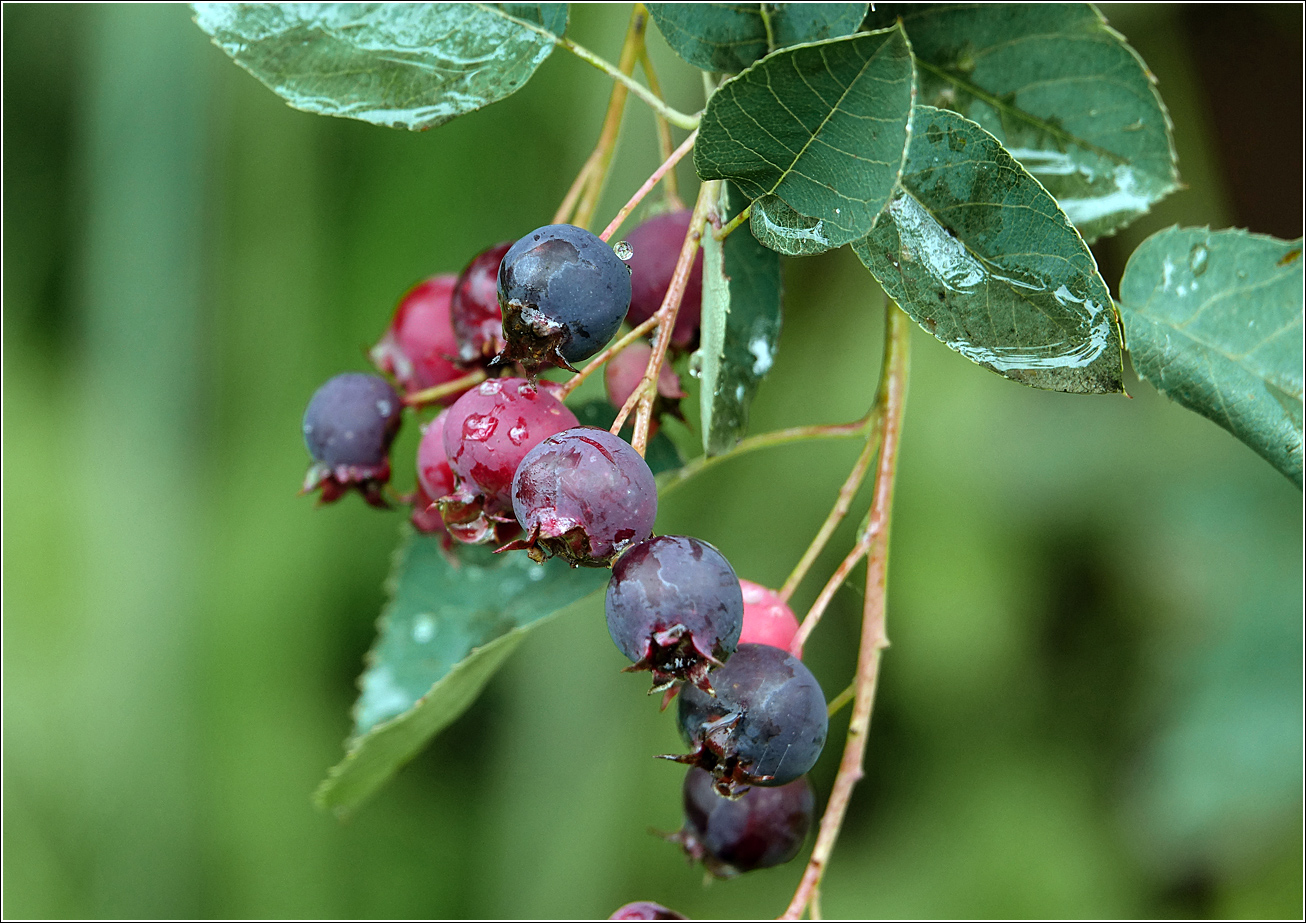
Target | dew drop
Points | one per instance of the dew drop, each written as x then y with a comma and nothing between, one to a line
623,250
1197,258
696,364
478,427
424,628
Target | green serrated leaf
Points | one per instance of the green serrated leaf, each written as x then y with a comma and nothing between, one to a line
727,37
815,137
1062,91
740,331
1213,319
977,252
446,630
661,453
400,65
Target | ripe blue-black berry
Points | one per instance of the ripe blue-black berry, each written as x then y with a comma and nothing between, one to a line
765,725
761,828
348,427
674,608
656,244
583,494
563,293
419,346
488,432
477,319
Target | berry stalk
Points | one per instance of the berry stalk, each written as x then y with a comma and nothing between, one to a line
893,392
420,399
664,170
666,315
665,144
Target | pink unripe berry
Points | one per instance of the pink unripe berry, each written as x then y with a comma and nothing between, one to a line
419,347
767,618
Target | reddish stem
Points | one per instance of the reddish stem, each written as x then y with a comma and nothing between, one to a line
649,183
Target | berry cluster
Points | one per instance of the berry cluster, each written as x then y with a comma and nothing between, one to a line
505,461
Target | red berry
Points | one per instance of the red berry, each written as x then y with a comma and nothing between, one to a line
767,619
434,477
488,432
477,318
625,371
656,244
419,347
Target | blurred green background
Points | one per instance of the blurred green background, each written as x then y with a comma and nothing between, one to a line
1092,705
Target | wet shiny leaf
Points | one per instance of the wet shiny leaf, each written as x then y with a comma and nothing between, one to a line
816,135
728,37
977,252
740,331
1060,89
1213,319
400,65
444,633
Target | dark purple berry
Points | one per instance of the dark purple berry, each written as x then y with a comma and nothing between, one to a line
656,244
488,432
477,319
762,828
564,294
675,608
645,910
348,428
765,725
583,494
418,348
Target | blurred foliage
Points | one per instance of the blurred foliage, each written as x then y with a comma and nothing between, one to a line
1092,705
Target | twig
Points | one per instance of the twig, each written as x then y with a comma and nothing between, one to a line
665,144
659,173
679,119
893,386
734,222
431,395
594,364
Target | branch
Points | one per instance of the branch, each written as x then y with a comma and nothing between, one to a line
875,538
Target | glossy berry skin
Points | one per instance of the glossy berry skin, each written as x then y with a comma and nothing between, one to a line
563,293
765,726
768,619
474,306
762,828
419,346
488,432
585,495
656,244
645,910
674,608
348,427
434,477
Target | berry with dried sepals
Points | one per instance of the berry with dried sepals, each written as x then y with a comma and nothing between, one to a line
563,293
762,828
488,432
474,307
418,348
625,371
585,495
645,910
348,427
656,244
674,608
765,725
768,618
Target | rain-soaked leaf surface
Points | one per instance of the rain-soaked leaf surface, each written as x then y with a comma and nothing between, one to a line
661,453
400,65
728,37
740,331
445,631
977,252
1213,319
1062,91
816,135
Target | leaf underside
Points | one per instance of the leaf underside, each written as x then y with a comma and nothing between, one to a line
445,631
740,332
977,252
399,65
815,137
1213,319
1063,92
727,37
